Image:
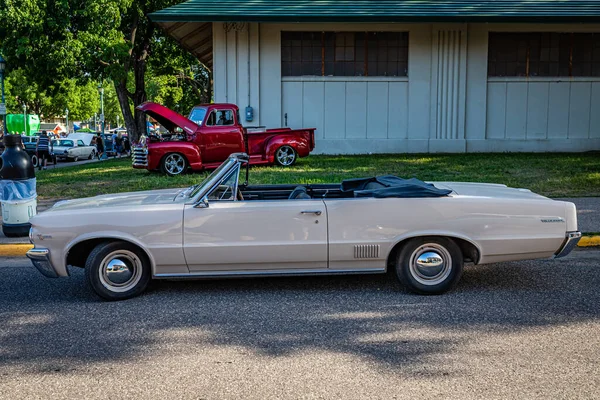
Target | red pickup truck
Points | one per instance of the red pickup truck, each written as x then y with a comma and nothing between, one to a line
210,134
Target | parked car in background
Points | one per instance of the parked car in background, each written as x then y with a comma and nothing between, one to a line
73,150
221,227
210,134
30,143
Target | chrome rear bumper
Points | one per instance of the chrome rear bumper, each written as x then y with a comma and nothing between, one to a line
40,258
569,244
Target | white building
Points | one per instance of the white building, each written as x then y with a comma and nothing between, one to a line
406,76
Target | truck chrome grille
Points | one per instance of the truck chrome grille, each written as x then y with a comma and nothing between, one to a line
140,156
366,251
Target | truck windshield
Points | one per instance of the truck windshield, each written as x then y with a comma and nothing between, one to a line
197,115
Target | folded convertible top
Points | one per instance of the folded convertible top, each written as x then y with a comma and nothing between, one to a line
391,186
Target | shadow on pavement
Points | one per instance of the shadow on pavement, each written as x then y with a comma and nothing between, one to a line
54,325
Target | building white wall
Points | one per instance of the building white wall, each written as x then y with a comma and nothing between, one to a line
446,104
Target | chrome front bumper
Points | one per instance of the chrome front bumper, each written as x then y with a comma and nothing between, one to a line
40,258
569,244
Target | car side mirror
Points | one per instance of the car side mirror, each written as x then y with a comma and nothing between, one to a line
203,203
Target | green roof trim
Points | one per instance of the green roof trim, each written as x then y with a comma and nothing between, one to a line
381,11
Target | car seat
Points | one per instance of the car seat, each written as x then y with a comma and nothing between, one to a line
299,194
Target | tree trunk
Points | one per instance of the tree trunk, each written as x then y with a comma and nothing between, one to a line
139,96
123,96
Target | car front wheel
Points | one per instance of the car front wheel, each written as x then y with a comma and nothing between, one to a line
34,161
174,164
117,270
429,265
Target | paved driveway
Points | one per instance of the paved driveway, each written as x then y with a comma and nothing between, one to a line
516,330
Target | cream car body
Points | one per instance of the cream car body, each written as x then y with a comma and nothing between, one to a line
185,233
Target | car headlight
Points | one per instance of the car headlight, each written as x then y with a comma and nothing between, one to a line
31,235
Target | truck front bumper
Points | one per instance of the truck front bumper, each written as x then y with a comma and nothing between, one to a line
571,240
40,257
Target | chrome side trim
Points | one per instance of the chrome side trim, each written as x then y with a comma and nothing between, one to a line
40,258
260,274
571,240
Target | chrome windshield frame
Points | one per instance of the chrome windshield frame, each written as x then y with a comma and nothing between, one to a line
234,161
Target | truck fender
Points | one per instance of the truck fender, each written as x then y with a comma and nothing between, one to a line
299,144
189,150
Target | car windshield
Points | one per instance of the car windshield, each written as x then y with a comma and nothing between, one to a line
197,115
65,143
193,191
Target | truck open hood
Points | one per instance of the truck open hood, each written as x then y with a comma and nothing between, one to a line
168,118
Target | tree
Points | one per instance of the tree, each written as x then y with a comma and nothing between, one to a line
99,40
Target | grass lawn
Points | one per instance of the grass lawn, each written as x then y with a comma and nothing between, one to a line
554,175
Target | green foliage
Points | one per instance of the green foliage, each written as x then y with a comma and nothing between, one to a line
53,42
81,98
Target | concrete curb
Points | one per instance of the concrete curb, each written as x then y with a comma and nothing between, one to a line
19,249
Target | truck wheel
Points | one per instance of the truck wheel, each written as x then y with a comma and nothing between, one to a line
173,164
285,156
117,270
429,265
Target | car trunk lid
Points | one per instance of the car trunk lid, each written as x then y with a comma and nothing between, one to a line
487,190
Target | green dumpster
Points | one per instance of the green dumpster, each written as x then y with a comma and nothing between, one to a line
14,123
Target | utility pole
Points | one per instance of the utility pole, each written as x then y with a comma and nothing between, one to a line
3,104
25,118
67,116
101,90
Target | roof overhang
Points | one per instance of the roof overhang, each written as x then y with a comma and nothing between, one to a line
380,11
196,37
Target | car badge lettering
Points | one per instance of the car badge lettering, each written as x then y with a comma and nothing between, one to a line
552,220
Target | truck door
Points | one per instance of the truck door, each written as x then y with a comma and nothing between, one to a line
221,136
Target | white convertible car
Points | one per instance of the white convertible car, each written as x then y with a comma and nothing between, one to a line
222,228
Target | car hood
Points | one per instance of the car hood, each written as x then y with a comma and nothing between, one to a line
487,190
166,196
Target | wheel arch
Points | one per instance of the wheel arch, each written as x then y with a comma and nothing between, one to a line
77,252
469,249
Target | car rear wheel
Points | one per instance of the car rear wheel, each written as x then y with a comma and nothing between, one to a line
117,270
174,164
429,265
285,156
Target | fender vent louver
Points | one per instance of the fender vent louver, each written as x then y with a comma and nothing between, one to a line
366,251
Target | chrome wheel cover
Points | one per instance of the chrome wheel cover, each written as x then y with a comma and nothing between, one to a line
286,155
174,164
120,271
430,264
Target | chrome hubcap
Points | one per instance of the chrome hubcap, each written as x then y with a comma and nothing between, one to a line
174,163
120,271
430,264
286,155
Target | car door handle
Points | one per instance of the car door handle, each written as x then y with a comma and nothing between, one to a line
316,212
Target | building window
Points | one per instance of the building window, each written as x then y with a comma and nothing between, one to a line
545,54
344,53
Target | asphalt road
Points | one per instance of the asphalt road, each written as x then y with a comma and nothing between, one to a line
515,330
